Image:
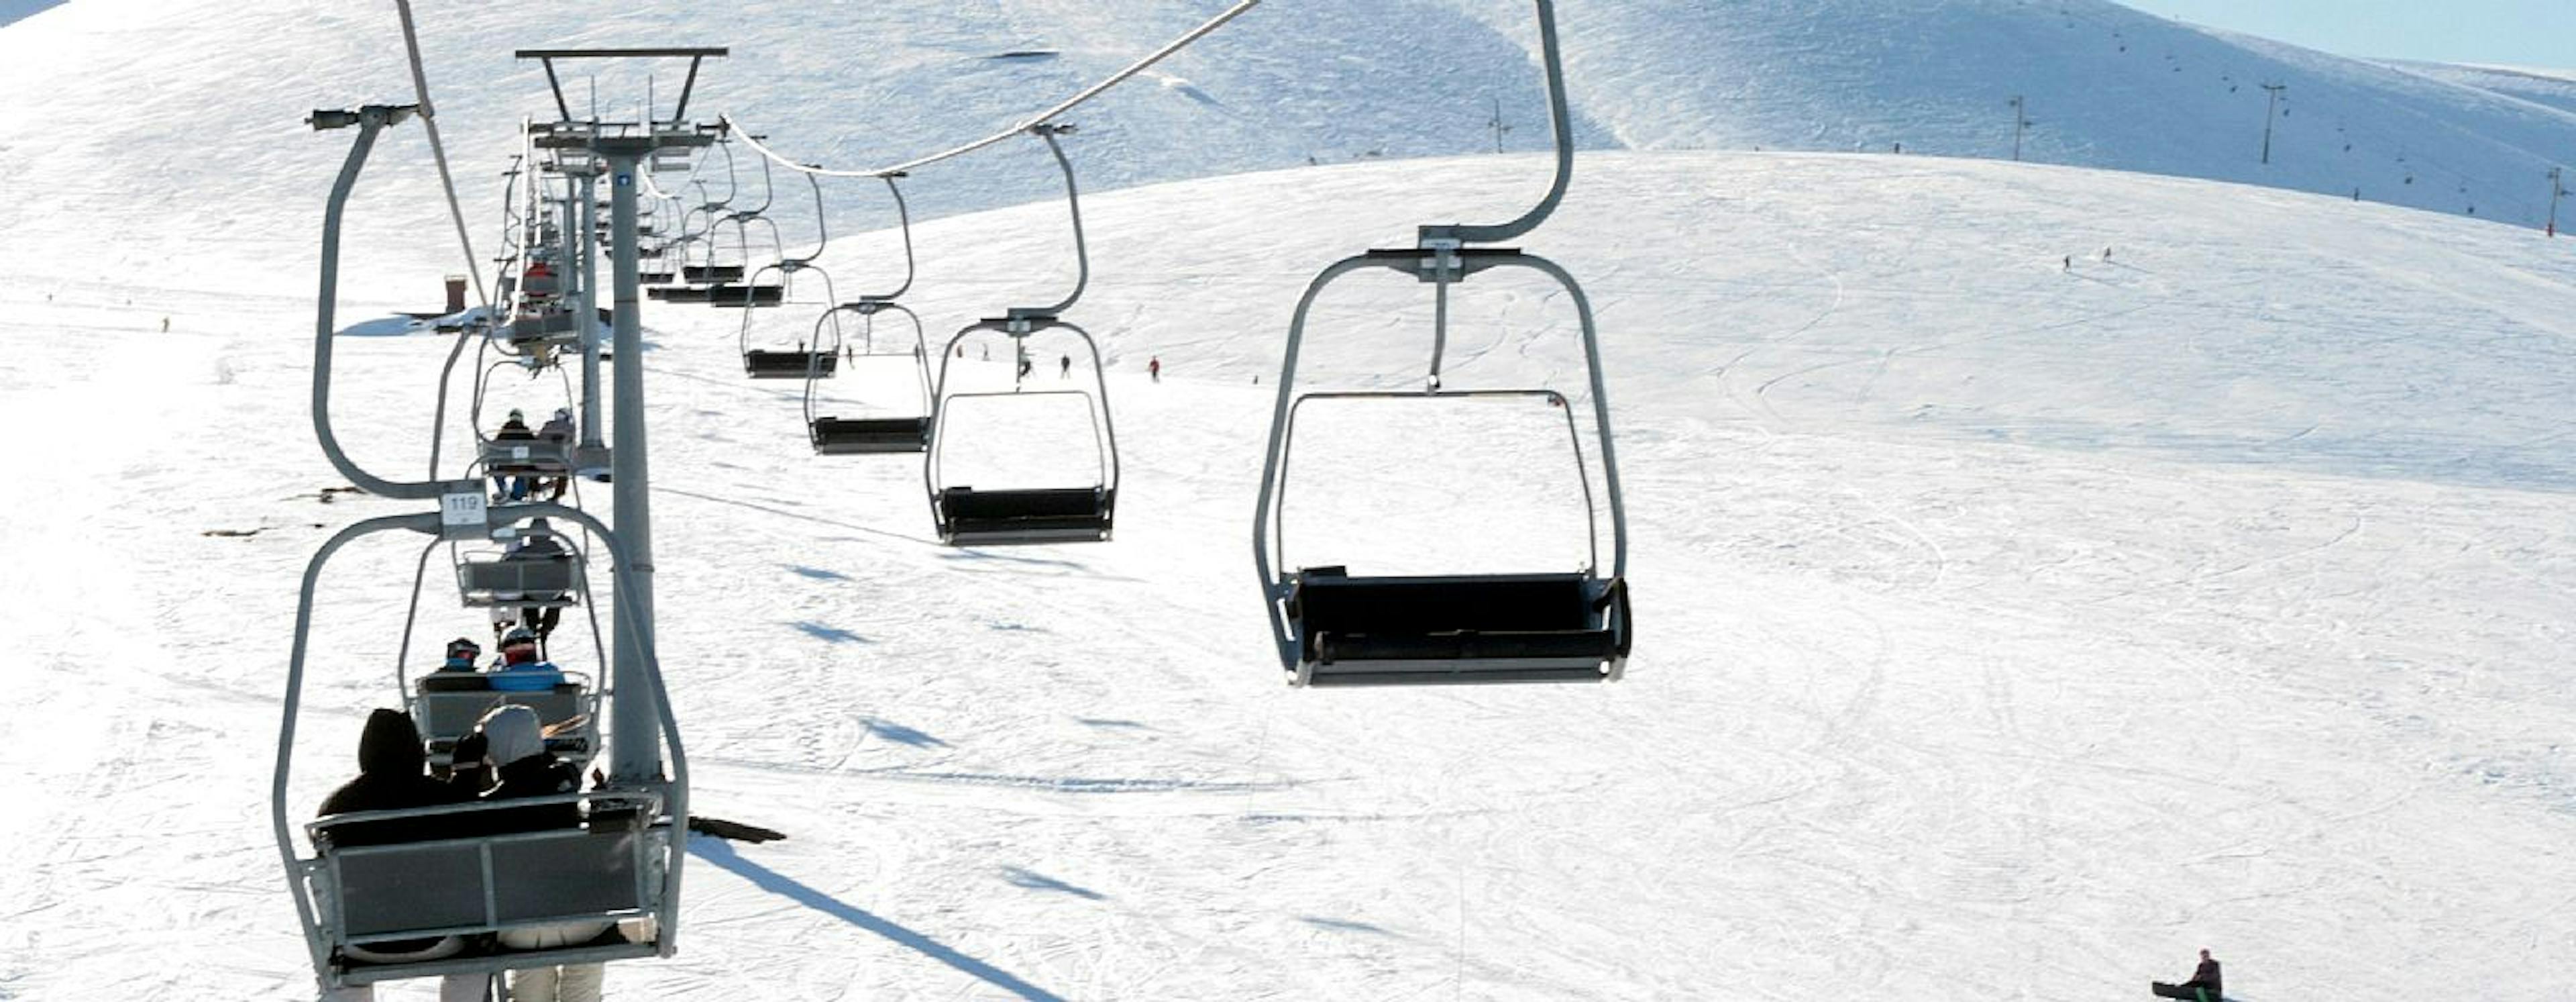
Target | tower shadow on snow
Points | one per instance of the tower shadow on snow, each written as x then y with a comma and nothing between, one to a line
723,856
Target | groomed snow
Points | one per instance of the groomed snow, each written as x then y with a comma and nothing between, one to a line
2009,617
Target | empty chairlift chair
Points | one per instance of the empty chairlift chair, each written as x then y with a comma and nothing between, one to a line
834,436
819,358
1333,627
965,516
730,288
811,360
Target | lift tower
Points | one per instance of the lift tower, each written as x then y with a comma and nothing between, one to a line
619,150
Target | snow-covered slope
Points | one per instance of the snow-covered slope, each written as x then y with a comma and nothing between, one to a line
2009,617
165,133
2554,88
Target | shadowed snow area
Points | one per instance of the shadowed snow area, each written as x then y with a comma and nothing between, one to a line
2001,621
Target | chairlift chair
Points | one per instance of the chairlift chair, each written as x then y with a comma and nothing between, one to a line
836,436
523,458
465,872
446,706
1333,627
809,360
547,580
968,517
729,288
965,516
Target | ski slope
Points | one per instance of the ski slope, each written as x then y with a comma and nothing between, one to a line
162,137
2009,616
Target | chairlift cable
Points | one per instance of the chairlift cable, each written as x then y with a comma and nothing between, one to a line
1041,118
438,151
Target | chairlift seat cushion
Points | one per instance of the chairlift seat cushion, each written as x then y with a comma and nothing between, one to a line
541,328
1486,628
388,890
455,681
544,582
764,364
678,293
852,435
701,274
501,457
746,295
448,714
405,891
1043,515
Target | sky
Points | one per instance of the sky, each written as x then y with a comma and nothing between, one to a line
2539,33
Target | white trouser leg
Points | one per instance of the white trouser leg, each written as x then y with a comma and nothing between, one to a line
581,982
535,984
464,988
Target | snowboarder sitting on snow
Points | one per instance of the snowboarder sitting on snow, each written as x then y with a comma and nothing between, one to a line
520,668
2203,986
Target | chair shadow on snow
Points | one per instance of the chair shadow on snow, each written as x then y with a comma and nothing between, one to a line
1344,925
1035,881
722,855
829,634
817,573
900,734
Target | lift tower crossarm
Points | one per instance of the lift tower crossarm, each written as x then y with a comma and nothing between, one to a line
695,56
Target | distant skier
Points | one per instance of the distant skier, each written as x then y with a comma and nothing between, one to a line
1154,368
1025,365
2203,987
1064,367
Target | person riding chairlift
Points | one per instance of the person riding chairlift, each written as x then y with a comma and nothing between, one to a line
521,668
392,776
558,432
515,745
462,653
514,429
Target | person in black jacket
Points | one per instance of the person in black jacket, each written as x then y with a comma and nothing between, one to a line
2204,985
392,775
